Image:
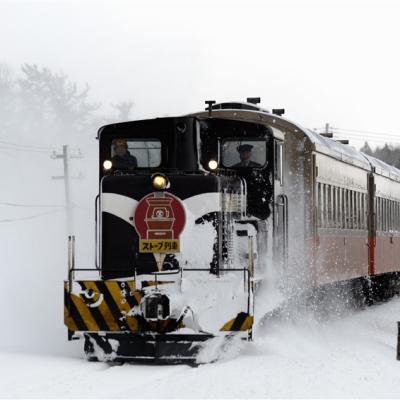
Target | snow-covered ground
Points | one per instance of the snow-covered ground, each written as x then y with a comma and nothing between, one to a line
348,356
351,355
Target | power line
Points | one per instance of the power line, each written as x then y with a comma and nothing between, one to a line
369,132
21,145
30,205
26,150
365,134
30,217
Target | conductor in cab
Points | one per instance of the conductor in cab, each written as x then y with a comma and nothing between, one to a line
245,157
123,159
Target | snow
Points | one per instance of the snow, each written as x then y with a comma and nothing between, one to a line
351,355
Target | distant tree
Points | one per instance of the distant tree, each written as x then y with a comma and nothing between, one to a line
50,101
124,109
7,97
48,107
388,153
367,149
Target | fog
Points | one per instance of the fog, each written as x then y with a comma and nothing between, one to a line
323,61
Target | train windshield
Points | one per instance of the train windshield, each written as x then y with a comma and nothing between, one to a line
136,153
250,153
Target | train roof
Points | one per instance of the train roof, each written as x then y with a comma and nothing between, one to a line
382,168
252,113
337,150
330,147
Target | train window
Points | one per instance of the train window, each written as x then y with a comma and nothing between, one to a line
333,194
319,204
328,206
363,211
350,209
397,216
355,208
387,215
379,214
394,216
244,153
338,208
323,205
278,161
361,223
343,205
393,220
344,208
135,153
384,213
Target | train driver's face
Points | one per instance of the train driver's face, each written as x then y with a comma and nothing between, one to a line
120,150
245,155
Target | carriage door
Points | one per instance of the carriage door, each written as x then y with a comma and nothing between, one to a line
280,207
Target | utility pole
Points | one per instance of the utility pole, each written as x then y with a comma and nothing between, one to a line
327,133
65,156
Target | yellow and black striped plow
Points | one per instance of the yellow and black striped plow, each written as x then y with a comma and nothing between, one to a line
242,322
95,306
101,306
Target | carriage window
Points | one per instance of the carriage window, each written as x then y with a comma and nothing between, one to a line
135,153
278,161
244,153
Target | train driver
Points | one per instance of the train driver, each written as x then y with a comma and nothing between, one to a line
245,157
122,157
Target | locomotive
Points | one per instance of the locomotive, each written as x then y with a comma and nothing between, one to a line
195,213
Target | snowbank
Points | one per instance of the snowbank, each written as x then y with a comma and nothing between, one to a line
348,356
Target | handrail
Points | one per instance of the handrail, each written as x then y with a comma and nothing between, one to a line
96,233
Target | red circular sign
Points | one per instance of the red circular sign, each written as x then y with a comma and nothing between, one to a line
159,216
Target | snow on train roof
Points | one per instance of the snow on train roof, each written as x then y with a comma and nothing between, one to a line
338,150
382,168
350,154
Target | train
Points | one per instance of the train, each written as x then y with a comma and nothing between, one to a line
196,213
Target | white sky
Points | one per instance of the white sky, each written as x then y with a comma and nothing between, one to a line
323,61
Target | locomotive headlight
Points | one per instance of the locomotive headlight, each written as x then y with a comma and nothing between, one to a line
107,165
212,164
159,181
